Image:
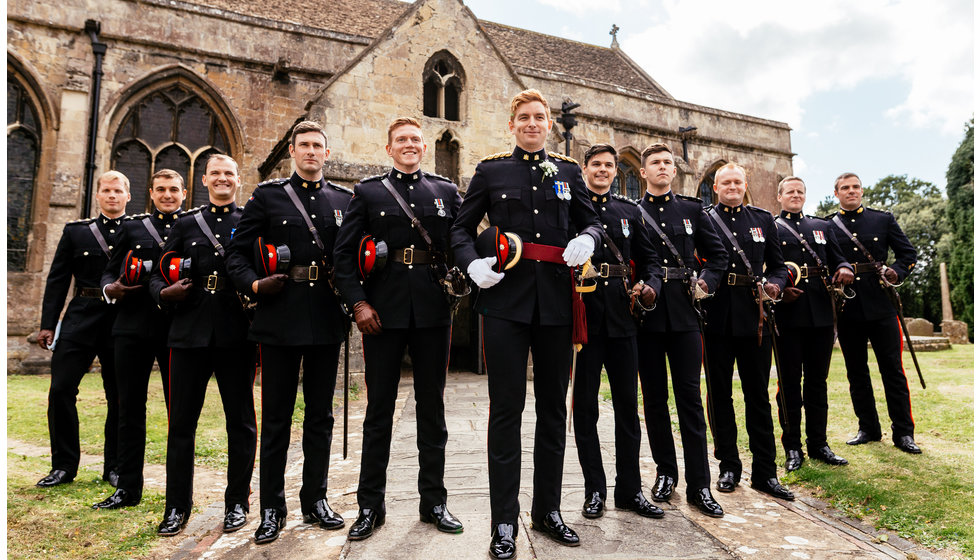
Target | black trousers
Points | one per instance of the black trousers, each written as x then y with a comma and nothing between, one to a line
886,341
684,351
804,354
69,363
619,357
505,350
754,362
190,371
429,350
280,380
134,361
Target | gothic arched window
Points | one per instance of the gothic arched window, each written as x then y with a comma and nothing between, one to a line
23,156
447,157
442,87
628,181
170,128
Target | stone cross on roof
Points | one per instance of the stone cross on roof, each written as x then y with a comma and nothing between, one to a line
613,31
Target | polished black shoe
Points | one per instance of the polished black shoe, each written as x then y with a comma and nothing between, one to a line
111,477
235,517
773,488
827,456
727,482
794,459
593,506
863,437
326,517
443,519
54,478
119,499
705,502
502,541
638,504
663,489
173,522
907,444
367,521
273,520
555,529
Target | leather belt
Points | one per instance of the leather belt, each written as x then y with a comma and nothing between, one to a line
607,270
212,282
305,273
409,255
807,271
677,273
88,292
862,268
546,253
741,279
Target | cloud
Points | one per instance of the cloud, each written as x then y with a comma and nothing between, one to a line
581,7
767,58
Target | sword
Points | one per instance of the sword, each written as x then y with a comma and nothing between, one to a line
896,302
696,304
346,382
771,327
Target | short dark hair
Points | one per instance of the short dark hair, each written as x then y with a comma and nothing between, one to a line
845,175
597,149
654,148
166,173
304,127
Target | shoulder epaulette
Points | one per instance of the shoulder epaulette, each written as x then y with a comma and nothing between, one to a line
278,181
194,210
562,157
880,211
618,196
81,221
757,209
340,188
137,216
377,177
498,155
690,198
437,176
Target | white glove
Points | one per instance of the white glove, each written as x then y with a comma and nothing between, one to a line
578,250
481,273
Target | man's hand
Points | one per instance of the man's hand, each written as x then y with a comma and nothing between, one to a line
703,285
366,318
117,290
176,292
578,250
646,294
270,285
45,338
890,275
791,294
844,276
771,290
480,272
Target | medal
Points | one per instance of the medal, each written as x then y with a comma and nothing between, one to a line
757,234
338,217
626,227
688,227
819,238
563,190
441,207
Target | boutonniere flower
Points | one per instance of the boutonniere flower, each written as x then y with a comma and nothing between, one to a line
549,169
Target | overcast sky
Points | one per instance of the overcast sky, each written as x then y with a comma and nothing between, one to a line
876,87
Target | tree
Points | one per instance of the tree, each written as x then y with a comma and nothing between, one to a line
959,190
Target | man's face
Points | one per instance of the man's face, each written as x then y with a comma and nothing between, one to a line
730,185
659,171
600,172
167,194
221,179
406,147
530,125
112,197
793,196
849,192
310,152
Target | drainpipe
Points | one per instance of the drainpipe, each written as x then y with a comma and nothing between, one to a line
93,27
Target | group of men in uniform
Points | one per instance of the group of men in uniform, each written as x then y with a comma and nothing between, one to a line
667,280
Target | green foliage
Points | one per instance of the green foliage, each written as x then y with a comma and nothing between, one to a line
827,206
959,190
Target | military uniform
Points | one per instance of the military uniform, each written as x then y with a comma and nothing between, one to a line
86,332
530,309
413,311
302,322
140,330
731,334
208,334
612,342
870,316
672,331
805,339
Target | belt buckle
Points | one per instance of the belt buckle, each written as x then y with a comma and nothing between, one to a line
408,255
604,270
804,272
213,282
731,278
314,274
